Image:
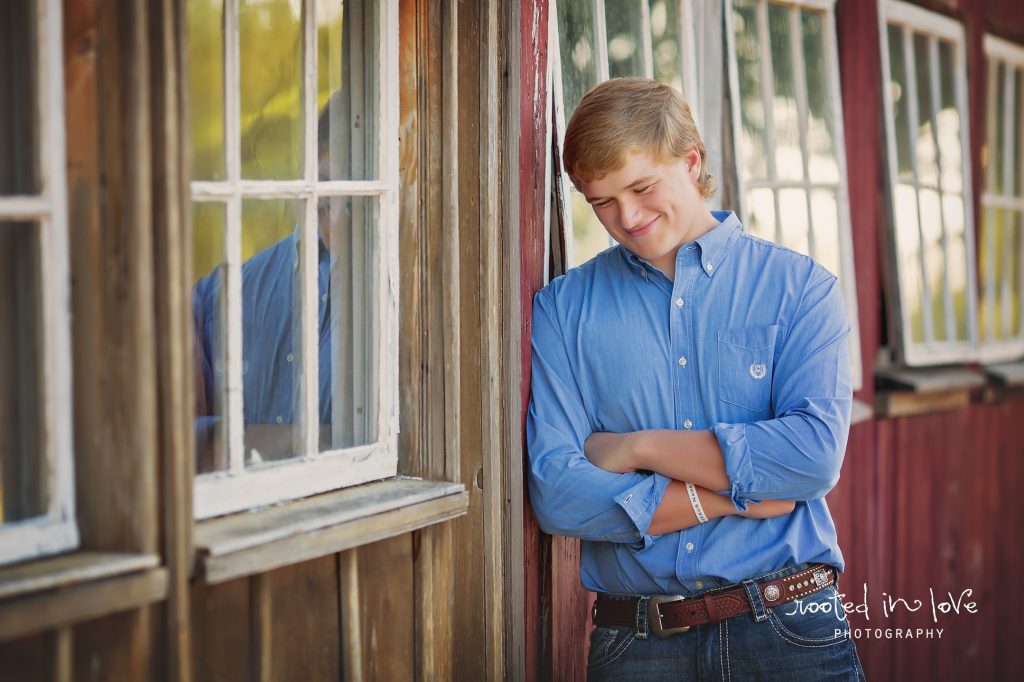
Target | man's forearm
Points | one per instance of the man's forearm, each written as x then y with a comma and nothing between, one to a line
675,511
683,455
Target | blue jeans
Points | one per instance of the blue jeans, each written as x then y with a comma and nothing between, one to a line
801,640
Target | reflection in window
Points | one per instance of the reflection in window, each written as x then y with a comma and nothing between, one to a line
926,131
295,340
21,485
630,38
1000,252
788,137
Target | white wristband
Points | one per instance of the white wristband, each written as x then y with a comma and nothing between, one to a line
695,502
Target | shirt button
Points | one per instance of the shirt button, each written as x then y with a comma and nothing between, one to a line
679,303
688,424
324,298
279,419
291,357
689,546
682,362
699,584
709,267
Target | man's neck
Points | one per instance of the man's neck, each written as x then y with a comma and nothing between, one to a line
701,224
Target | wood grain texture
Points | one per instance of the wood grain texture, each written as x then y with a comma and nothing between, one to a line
220,618
304,631
68,569
388,632
38,612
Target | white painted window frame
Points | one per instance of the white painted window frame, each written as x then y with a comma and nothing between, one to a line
915,19
847,277
687,70
238,488
1007,347
56,530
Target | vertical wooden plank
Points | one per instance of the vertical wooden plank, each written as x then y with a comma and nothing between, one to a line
171,269
261,621
532,126
387,625
220,616
351,632
27,659
303,630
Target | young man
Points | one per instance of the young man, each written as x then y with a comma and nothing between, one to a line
690,410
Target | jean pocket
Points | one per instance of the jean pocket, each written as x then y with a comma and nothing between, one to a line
817,620
746,359
607,644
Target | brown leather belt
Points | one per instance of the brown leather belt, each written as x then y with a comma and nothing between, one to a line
667,615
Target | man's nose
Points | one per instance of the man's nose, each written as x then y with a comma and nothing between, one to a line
629,214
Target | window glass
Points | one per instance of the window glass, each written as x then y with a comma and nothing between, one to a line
21,486
19,173
206,87
625,38
578,52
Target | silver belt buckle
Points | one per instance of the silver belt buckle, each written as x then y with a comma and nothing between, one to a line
654,615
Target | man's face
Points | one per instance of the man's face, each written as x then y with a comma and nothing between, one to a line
651,207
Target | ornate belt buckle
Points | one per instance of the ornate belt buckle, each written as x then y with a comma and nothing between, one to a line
654,615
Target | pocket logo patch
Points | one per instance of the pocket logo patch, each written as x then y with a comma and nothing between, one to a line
758,370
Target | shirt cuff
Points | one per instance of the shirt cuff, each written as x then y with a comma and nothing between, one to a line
732,439
640,502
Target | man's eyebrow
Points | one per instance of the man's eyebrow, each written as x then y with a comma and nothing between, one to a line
639,182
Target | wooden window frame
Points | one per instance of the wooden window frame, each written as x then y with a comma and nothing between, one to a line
915,19
847,276
1004,346
687,73
239,489
56,530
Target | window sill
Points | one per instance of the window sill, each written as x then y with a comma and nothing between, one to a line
1006,382
903,392
253,542
42,594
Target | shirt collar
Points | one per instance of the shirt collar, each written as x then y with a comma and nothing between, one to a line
714,244
322,253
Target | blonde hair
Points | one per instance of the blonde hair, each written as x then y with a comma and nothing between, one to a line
625,115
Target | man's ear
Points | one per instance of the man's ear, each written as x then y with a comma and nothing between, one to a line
693,163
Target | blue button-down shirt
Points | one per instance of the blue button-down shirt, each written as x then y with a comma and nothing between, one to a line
271,338
750,341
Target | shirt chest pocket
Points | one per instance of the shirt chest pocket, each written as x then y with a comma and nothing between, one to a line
745,364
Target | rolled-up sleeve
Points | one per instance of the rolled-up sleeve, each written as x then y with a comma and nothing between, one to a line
569,495
797,454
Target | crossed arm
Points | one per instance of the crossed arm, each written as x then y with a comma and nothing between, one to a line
702,465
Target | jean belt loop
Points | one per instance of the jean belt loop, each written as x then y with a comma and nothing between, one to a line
754,597
641,617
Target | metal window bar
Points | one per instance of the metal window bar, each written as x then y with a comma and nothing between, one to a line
56,529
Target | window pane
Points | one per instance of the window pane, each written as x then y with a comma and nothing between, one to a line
761,206
625,47
993,121
793,209
271,331
935,259
956,248
999,150
206,87
948,123
1018,122
820,129
986,256
579,57
789,161
349,323
1014,259
908,245
348,76
924,150
752,115
19,172
665,42
589,237
825,220
21,477
899,90
270,35
208,325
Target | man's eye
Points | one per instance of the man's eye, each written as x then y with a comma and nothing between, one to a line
642,190
601,204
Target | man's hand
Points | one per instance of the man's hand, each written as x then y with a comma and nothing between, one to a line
611,451
768,509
